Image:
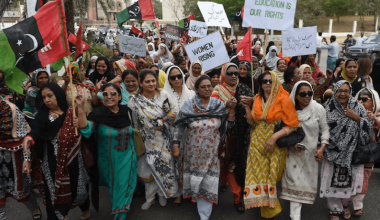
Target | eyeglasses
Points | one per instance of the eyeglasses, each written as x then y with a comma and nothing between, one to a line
206,87
112,93
363,99
179,76
232,73
343,91
266,81
304,94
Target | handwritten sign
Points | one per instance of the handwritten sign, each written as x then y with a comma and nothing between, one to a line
214,14
132,45
197,29
210,50
176,33
275,15
299,41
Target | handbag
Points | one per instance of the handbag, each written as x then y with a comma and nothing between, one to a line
227,146
138,139
292,139
369,153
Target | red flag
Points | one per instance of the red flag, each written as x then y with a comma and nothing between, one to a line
135,32
79,45
73,42
244,49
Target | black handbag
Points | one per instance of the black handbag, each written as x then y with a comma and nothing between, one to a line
369,153
292,139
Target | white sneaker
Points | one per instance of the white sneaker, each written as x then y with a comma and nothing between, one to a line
163,201
147,205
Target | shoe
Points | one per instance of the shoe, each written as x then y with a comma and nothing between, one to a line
85,215
240,207
223,188
37,216
177,204
162,200
146,205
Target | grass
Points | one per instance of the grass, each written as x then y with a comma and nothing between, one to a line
345,25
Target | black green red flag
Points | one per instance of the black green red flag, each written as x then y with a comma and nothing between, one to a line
33,43
135,32
79,45
185,23
140,10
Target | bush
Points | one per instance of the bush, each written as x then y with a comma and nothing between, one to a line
97,50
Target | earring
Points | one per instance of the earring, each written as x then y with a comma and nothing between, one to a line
292,80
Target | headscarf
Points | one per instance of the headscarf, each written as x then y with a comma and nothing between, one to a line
304,114
30,109
223,91
115,58
105,116
190,82
257,72
168,57
337,63
248,79
272,58
303,67
96,76
151,53
258,42
77,77
270,44
278,106
89,68
124,64
344,74
345,133
186,93
375,100
279,74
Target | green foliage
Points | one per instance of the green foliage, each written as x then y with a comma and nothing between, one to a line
157,5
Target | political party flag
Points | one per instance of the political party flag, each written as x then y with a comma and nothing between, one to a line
185,23
140,10
33,43
40,3
135,32
244,49
79,45
73,42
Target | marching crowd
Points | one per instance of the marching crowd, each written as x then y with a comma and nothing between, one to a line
161,124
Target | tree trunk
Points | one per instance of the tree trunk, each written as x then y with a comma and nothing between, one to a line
338,18
69,12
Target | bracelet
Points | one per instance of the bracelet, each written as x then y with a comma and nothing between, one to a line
27,157
176,142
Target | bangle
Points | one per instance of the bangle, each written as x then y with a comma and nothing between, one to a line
27,157
175,142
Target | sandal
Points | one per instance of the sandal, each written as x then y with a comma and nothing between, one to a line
346,212
358,212
334,217
85,215
240,207
37,216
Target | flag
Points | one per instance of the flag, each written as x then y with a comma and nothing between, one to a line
140,10
135,32
33,43
79,45
40,3
238,15
244,49
73,42
185,23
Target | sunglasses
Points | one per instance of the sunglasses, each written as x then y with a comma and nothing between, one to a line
266,81
363,99
232,73
105,94
179,76
304,94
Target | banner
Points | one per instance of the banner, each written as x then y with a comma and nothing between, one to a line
275,15
214,14
132,45
210,50
299,41
176,33
197,29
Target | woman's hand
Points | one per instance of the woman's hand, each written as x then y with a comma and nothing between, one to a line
298,150
269,145
99,83
231,103
350,113
176,151
27,167
80,98
26,144
329,74
319,154
66,78
246,99
76,122
160,124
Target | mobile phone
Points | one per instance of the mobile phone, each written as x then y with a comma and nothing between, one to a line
301,146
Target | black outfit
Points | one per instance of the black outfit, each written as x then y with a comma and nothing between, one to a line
357,85
375,75
95,76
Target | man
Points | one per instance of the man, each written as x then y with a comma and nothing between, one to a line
332,50
353,41
319,45
257,39
360,40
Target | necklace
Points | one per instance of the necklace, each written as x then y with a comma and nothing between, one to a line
54,114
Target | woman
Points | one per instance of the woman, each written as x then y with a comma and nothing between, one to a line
115,155
291,76
349,128
195,72
300,180
39,78
152,114
270,44
102,72
375,75
14,179
271,58
52,136
201,162
214,75
161,75
265,162
91,66
338,67
181,63
245,78
364,70
228,92
280,69
116,55
162,55
307,74
151,49
256,69
316,72
130,81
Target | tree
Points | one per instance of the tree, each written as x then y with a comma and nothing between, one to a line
363,8
190,7
157,5
307,9
176,6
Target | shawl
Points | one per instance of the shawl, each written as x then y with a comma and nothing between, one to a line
345,133
124,64
344,74
186,93
89,68
272,58
30,109
257,72
304,114
248,79
223,91
375,100
77,77
153,51
316,72
167,57
105,116
190,82
278,106
279,74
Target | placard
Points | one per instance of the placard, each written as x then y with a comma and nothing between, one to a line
214,14
197,29
176,33
132,45
210,50
274,15
299,41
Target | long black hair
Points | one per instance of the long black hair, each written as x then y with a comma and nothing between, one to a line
97,76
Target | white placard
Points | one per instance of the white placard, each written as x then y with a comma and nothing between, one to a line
132,45
214,14
197,29
31,8
299,41
274,15
210,50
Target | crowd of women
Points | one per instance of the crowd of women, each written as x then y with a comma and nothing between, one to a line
160,123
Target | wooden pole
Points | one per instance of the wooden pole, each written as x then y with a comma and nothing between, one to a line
253,85
72,93
265,48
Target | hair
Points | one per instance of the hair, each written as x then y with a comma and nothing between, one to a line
130,72
333,38
106,62
364,65
59,94
143,74
278,61
298,89
200,79
320,33
261,77
289,73
113,85
153,65
179,60
348,61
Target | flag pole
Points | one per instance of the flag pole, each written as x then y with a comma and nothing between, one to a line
253,85
265,48
72,93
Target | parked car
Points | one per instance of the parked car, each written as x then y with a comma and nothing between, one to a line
369,48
